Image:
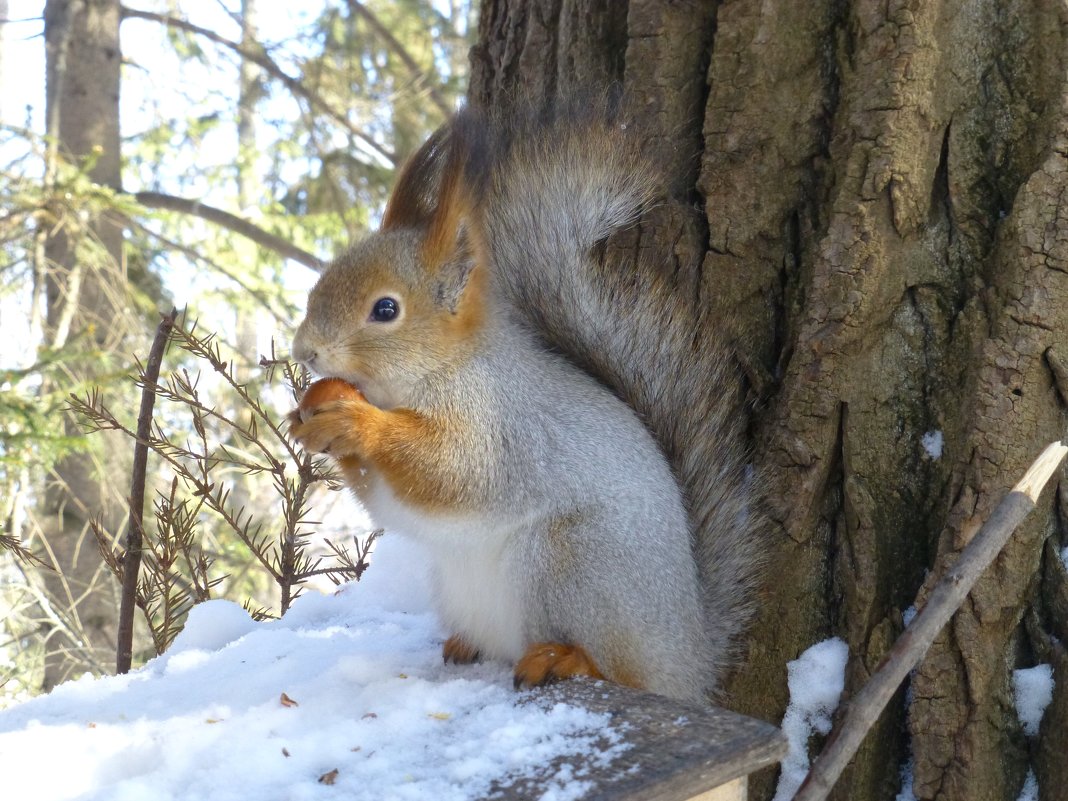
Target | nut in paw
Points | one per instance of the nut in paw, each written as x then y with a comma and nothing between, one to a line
334,428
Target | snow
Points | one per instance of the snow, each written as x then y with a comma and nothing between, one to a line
1033,690
815,679
907,770
1029,792
909,766
365,694
932,443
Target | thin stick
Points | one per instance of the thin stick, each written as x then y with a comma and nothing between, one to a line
131,561
866,706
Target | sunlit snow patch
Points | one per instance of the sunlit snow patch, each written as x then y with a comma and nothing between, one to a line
816,679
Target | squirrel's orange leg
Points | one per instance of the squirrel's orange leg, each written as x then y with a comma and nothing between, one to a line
546,662
419,456
458,650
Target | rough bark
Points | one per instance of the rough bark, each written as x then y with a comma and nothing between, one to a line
871,195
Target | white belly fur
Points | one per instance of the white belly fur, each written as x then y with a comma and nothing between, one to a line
477,593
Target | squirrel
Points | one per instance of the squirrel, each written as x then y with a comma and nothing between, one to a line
549,424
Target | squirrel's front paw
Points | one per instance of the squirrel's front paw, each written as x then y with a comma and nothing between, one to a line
546,662
334,428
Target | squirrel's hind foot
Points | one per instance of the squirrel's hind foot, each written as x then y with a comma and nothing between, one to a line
546,662
456,649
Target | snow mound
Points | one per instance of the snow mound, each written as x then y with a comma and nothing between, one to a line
1033,690
368,711
815,679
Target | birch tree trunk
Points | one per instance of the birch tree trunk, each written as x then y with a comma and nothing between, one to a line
874,198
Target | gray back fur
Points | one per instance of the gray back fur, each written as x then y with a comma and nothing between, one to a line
549,190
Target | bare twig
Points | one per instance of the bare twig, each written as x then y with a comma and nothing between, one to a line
946,597
135,530
239,225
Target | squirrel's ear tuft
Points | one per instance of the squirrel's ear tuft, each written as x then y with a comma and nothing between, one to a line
412,201
450,242
458,154
449,246
436,194
433,192
448,231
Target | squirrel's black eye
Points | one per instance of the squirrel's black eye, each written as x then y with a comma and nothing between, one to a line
385,309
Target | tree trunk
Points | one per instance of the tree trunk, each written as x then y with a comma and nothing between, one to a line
86,312
248,95
872,196
4,58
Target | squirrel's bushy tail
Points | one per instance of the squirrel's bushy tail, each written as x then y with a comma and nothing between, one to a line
549,190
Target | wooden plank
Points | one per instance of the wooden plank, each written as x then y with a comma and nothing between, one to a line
736,790
673,750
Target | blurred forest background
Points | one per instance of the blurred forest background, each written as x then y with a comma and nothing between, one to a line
232,147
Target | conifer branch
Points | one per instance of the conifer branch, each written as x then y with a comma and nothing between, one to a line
174,573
